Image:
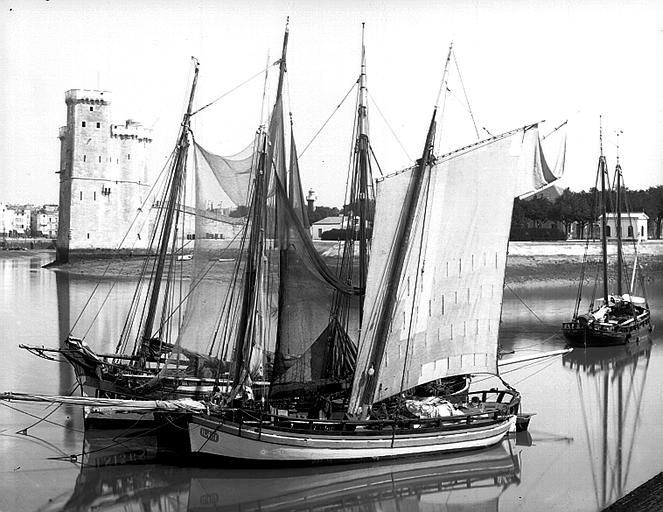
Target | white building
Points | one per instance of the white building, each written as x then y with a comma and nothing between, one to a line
324,225
15,220
634,225
44,221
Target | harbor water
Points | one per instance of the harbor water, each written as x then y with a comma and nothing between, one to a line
595,436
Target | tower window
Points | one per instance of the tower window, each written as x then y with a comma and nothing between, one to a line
128,156
94,196
88,236
81,195
91,109
98,125
99,158
84,158
83,124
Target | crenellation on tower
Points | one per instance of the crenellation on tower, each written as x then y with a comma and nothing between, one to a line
103,171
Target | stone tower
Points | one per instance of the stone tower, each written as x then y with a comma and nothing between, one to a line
103,176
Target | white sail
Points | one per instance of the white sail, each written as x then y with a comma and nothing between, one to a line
446,317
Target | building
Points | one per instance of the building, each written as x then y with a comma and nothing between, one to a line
44,221
634,225
324,225
15,220
103,176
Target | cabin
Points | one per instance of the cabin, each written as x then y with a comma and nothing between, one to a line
324,225
634,225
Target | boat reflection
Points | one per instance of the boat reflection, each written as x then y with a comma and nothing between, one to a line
112,479
611,381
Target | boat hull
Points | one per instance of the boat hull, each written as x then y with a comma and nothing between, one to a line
589,336
232,440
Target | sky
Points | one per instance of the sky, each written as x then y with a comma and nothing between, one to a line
520,62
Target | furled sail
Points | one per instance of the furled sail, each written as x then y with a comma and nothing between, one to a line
445,321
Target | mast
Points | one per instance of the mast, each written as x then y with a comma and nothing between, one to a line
175,187
243,345
604,239
397,260
618,186
363,144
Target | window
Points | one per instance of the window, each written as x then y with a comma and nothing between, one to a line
642,231
128,157
98,125
81,195
630,232
99,158
83,124
94,196
84,158
91,109
88,236
607,231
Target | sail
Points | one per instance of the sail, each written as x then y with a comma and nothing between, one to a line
213,243
449,295
233,173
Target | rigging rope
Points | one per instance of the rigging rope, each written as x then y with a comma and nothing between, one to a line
390,128
301,153
469,108
264,70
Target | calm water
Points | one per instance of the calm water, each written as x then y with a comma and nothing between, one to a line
596,434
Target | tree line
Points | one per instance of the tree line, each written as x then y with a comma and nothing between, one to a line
583,208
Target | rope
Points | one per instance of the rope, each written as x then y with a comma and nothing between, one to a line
469,108
525,304
390,129
301,153
264,70
39,418
24,431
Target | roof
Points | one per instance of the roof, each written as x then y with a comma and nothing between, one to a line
632,215
329,221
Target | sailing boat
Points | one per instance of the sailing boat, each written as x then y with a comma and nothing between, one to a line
429,309
616,318
150,362
119,471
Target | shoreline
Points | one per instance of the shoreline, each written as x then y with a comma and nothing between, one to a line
528,263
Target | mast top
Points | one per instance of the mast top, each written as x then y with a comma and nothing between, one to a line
444,75
618,133
601,133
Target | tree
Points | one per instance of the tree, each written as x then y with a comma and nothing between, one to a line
322,212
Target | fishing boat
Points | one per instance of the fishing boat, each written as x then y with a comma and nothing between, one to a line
158,354
120,471
619,316
360,354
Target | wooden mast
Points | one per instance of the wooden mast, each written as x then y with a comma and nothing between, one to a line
618,186
175,187
362,121
397,259
604,239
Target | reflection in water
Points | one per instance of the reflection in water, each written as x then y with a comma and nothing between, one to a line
611,381
111,480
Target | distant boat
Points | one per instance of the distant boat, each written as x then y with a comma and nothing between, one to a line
619,316
428,303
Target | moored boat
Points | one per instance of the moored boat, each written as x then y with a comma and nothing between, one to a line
428,305
617,318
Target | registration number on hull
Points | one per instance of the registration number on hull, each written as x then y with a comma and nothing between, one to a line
209,434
